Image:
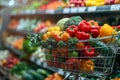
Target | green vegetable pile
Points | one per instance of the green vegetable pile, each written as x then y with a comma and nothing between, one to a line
28,73
75,20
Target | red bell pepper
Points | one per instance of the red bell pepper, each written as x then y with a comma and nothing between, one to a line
95,33
56,37
119,27
89,51
82,35
84,26
72,30
71,64
95,27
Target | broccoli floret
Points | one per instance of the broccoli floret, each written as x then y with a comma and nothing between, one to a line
75,20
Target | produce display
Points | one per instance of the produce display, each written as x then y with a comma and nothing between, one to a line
74,45
15,41
53,5
27,73
10,62
7,60
5,54
24,46
33,25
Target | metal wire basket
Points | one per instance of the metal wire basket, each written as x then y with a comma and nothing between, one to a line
99,64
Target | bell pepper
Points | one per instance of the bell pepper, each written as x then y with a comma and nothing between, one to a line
107,30
109,2
84,26
71,64
80,45
86,65
93,23
89,51
119,28
95,2
45,37
95,33
54,29
77,3
51,31
72,30
73,54
82,35
56,37
64,36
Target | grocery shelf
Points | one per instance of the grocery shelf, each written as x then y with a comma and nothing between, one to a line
22,32
74,10
44,65
17,52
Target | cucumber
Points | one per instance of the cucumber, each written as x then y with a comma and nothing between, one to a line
36,75
27,76
43,72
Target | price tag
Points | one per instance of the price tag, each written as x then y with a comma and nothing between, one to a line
32,59
115,7
81,9
73,10
66,10
50,11
91,9
38,62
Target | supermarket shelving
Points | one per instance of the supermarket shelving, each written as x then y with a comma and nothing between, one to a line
74,10
23,32
13,50
38,63
19,53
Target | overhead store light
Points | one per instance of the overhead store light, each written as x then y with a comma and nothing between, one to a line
11,3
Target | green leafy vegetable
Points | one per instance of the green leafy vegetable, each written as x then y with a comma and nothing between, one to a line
75,20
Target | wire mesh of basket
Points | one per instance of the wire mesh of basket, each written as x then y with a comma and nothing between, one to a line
101,63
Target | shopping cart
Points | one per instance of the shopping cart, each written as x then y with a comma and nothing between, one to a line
100,64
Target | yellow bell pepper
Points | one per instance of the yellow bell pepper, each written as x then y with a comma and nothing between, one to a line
54,29
86,65
45,37
107,30
51,31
